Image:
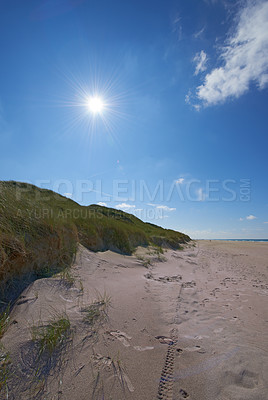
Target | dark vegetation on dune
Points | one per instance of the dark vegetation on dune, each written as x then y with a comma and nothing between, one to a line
40,231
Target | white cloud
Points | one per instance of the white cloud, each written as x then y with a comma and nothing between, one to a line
188,97
161,207
265,222
199,33
251,217
180,180
176,26
197,107
244,58
124,206
200,59
165,208
100,203
67,194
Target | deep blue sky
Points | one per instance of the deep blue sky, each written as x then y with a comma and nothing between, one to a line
185,85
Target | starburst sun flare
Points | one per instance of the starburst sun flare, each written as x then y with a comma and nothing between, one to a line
96,101
95,105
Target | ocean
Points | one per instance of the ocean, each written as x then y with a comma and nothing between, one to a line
239,240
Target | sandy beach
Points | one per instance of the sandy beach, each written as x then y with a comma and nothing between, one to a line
190,324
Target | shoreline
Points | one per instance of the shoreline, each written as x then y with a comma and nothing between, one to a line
233,240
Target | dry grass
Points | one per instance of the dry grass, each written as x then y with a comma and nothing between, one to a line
96,311
107,376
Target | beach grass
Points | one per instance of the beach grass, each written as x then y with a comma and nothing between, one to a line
53,335
4,319
97,310
40,231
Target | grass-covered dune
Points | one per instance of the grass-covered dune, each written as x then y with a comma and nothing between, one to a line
40,230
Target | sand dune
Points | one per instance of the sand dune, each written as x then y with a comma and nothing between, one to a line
188,324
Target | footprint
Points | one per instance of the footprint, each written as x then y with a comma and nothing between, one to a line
165,340
177,256
101,361
175,278
214,291
149,275
165,387
195,348
122,336
189,284
140,348
204,301
191,262
183,394
165,279
121,266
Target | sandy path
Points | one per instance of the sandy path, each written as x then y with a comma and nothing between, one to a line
192,326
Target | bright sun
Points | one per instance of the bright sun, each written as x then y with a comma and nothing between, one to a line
95,105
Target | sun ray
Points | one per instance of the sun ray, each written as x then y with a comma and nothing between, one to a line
98,102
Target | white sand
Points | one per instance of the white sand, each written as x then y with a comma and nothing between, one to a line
193,326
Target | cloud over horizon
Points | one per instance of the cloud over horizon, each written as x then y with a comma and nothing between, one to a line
251,217
125,207
165,208
161,207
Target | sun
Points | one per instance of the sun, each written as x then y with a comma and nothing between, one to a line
95,105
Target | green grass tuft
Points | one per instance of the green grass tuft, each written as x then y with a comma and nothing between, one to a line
97,311
67,277
4,320
52,336
146,262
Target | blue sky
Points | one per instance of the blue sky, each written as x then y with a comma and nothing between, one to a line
182,139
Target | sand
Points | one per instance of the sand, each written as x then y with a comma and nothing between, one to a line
189,324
